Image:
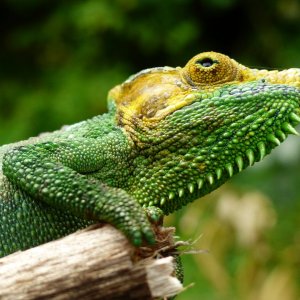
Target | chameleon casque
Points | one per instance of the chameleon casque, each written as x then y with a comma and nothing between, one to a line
171,135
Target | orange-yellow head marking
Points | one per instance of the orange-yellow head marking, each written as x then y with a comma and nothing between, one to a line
150,95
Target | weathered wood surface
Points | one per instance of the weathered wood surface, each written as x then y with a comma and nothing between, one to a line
95,263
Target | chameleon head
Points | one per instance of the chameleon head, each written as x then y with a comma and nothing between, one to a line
194,127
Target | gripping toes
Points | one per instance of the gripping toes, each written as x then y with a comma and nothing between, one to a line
128,216
136,226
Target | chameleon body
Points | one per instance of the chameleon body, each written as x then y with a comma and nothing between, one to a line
171,135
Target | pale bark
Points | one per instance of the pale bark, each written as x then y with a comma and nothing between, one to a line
95,263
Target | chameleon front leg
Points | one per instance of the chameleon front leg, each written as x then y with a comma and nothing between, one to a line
44,173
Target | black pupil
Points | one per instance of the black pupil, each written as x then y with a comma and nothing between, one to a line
206,62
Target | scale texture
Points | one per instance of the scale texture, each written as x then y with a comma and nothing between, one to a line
171,136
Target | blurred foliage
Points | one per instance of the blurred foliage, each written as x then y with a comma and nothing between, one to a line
58,59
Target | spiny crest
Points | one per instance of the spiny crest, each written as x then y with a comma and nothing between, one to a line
198,186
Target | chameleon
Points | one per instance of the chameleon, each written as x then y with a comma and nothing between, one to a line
170,136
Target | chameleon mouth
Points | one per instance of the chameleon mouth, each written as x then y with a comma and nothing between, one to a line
212,180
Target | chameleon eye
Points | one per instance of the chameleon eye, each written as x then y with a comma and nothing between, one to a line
206,62
210,68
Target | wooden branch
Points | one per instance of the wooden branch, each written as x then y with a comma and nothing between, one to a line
95,263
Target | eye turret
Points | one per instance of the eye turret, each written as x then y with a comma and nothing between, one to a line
211,68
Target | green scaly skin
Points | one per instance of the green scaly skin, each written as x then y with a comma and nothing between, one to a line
171,135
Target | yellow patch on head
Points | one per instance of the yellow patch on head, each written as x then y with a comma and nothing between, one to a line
150,95
153,94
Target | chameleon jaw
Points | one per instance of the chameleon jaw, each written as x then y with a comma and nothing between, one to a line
165,110
211,181
278,117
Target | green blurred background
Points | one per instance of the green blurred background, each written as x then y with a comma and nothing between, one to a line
58,59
